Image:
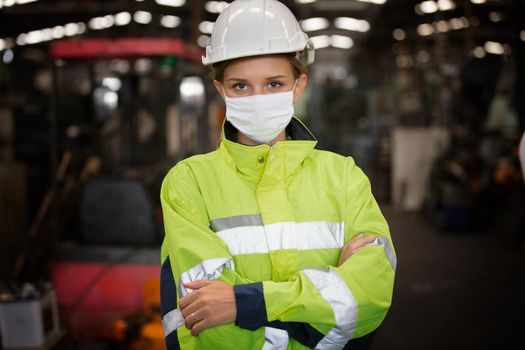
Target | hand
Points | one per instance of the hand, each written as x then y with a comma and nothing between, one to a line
353,246
211,303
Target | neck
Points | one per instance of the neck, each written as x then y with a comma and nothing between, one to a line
246,141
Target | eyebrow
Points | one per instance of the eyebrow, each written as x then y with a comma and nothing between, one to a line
269,78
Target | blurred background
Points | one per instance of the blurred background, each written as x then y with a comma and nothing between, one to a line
100,98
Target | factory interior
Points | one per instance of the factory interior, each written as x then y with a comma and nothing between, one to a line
99,99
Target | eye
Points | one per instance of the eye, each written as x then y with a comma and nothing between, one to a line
239,86
275,84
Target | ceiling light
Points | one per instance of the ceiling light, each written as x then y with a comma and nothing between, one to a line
3,44
522,35
8,56
320,41
81,28
496,16
21,39
170,21
216,6
446,5
191,87
71,29
58,32
37,36
428,7
122,18
142,17
341,42
465,22
112,83
173,3
399,34
404,61
455,23
99,23
95,23
423,56
478,1
20,2
206,27
425,29
494,47
441,26
479,52
203,40
377,2
316,23
305,1
348,23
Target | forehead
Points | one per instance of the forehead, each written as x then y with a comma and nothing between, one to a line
259,67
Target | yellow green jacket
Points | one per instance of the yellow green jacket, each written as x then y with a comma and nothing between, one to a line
271,221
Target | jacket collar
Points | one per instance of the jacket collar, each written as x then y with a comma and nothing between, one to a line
252,162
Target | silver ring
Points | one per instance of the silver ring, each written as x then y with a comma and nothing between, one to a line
194,318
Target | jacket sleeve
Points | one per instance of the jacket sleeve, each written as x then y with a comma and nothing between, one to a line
191,251
348,301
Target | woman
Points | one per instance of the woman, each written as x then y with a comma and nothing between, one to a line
270,243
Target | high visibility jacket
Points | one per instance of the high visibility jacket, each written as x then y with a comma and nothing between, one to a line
271,221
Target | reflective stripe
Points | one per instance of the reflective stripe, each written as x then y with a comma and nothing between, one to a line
385,243
171,321
333,289
210,269
275,339
236,221
283,235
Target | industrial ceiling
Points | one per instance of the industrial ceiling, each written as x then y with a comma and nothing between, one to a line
342,27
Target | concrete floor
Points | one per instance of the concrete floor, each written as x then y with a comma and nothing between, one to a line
453,290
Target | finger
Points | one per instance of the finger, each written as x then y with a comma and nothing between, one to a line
198,284
188,299
365,243
200,326
361,240
191,308
358,243
190,321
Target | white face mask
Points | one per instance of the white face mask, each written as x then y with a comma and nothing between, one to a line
261,118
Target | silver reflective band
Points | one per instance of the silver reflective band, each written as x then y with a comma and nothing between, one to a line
210,269
275,339
385,243
333,289
236,221
171,321
283,235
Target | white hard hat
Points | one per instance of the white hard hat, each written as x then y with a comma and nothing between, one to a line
257,27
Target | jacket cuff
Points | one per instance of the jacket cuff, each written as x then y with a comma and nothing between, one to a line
251,308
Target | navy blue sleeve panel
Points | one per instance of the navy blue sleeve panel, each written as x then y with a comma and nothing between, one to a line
302,332
168,300
172,341
251,308
251,314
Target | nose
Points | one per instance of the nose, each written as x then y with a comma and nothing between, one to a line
258,90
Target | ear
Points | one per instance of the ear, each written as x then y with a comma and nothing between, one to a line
302,81
218,86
